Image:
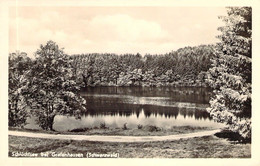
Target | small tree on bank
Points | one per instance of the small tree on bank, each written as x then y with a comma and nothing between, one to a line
230,75
53,90
19,65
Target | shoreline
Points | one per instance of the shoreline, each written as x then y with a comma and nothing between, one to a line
106,138
144,131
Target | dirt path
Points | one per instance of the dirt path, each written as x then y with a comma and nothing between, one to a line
101,138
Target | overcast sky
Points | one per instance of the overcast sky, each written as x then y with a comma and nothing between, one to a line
113,29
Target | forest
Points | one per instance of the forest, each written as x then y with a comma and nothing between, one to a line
185,67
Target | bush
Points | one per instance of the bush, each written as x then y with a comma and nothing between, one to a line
139,126
233,136
103,126
154,128
79,130
125,127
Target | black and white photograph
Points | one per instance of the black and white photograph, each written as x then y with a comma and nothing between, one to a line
130,81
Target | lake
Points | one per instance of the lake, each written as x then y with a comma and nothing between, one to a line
160,106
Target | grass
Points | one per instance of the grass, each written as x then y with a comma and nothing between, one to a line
221,145
202,147
148,130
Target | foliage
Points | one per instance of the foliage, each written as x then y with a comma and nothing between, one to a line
19,65
139,126
52,87
125,126
103,125
186,66
154,128
230,74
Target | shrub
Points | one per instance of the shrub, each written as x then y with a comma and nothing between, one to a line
139,126
103,126
79,130
154,128
125,127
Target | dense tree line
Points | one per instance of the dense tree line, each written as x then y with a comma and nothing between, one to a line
185,67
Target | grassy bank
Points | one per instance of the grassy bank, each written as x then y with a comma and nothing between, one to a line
139,131
203,147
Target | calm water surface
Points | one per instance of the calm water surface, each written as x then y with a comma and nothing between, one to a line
164,107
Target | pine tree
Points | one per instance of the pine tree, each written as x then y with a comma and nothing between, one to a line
230,75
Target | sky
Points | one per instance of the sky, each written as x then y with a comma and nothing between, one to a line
154,30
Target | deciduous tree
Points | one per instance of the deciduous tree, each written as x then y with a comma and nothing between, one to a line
19,64
53,89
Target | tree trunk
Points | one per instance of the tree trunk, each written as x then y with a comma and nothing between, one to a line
50,123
